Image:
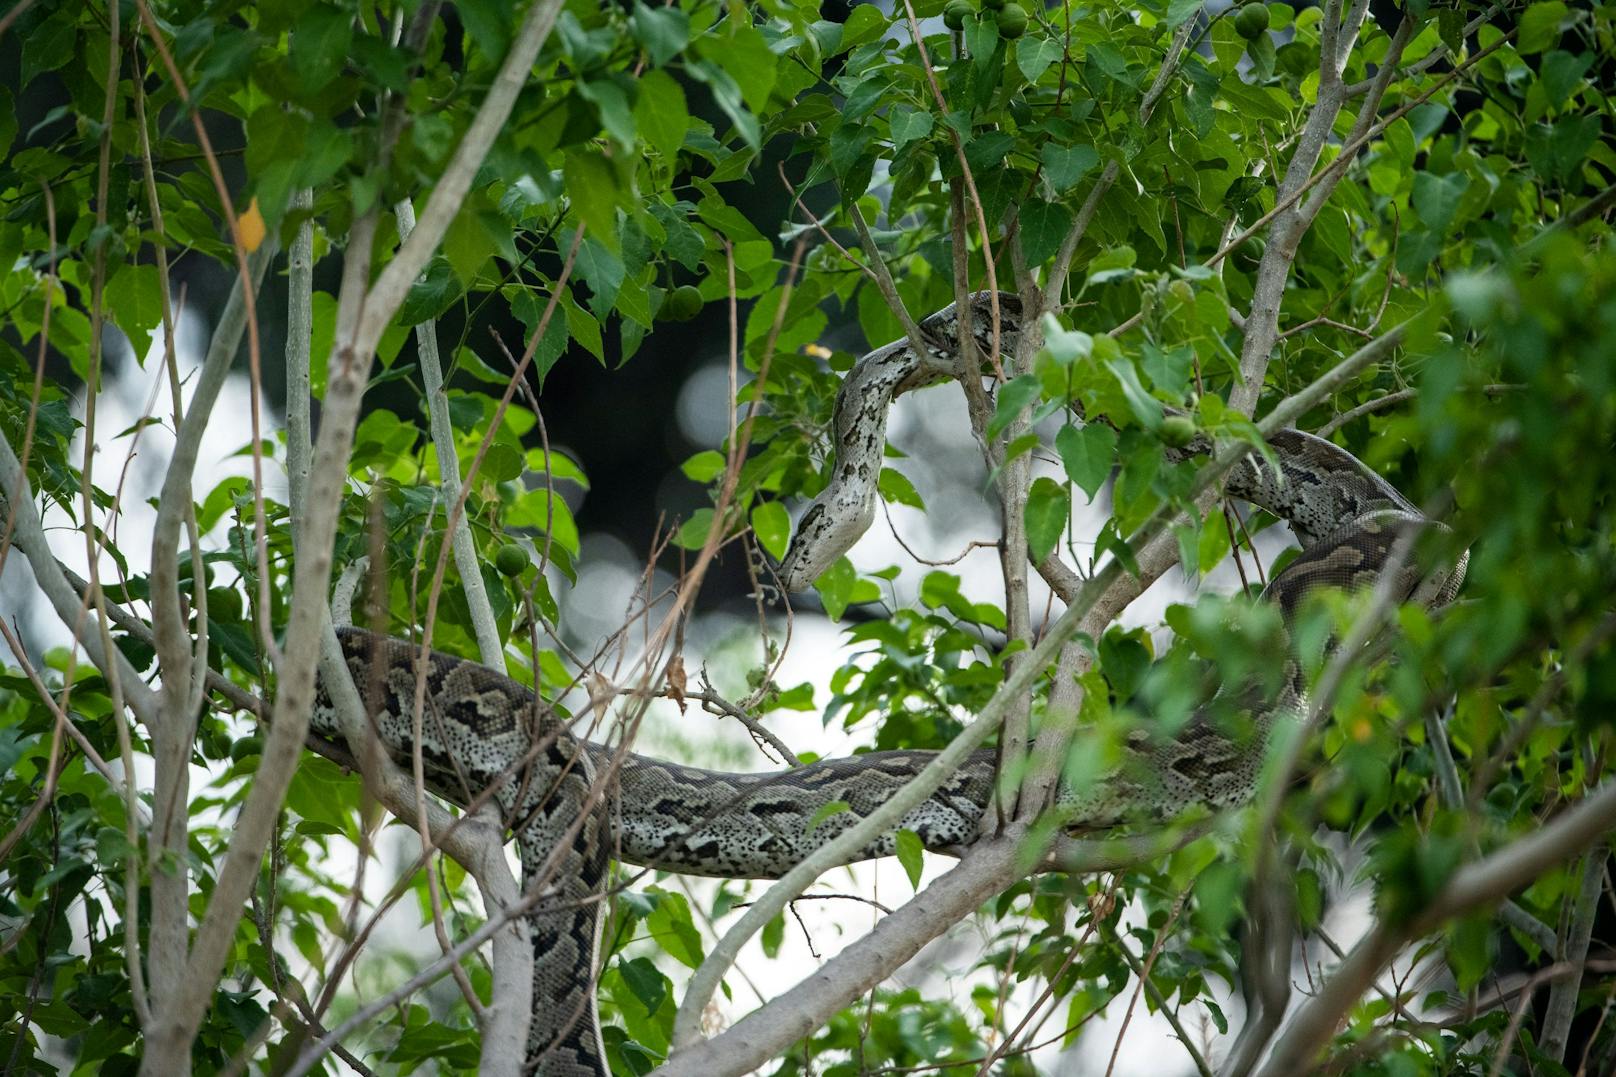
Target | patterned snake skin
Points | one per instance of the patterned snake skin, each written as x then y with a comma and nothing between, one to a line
481,729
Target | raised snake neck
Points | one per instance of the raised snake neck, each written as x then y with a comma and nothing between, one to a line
482,729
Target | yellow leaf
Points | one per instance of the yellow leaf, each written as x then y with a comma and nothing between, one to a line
250,227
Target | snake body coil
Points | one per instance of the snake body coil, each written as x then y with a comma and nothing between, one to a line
482,730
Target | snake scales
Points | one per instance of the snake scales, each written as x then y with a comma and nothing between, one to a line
481,729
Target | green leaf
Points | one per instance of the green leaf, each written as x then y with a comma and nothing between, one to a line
895,487
1111,540
1014,396
1146,408
1557,151
1049,506
663,31
1034,55
616,115
1114,264
835,588
488,24
909,851
704,466
592,185
747,58
1065,346
692,534
908,125
1043,227
671,925
1560,72
825,811
436,290
1065,164
135,301
1179,12
727,92
1088,453
987,149
50,46
529,306
603,271
1168,368
772,525
467,245
647,983
326,149
982,38
774,933
866,22
661,113
1436,198
1540,27
319,46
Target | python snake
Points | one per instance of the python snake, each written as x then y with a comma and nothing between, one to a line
482,729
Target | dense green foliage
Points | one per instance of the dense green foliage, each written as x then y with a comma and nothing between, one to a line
641,131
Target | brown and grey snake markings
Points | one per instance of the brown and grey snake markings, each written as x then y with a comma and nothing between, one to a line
482,730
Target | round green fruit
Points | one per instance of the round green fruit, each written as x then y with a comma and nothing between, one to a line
511,560
1252,21
1177,431
224,605
1012,21
245,747
957,11
216,744
682,304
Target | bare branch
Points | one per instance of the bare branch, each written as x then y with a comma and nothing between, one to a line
490,647
1574,952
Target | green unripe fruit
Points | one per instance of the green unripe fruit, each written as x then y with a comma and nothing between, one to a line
1012,21
1182,291
216,744
1252,21
224,605
957,11
246,746
1177,431
682,304
511,560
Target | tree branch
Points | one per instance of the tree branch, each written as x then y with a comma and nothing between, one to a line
1473,886
490,647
